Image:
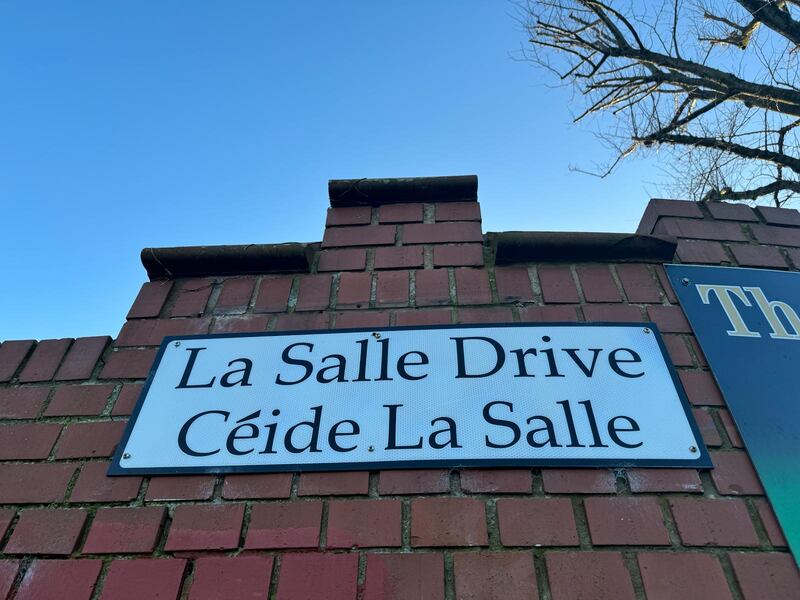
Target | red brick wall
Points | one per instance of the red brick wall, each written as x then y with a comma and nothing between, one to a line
68,531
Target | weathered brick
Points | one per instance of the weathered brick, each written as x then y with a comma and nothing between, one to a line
205,527
8,573
284,525
625,522
192,298
348,215
707,522
354,289
536,522
22,402
700,230
458,211
496,481
448,522
400,213
181,487
302,321
126,399
588,575
94,485
314,292
730,428
44,361
398,257
259,485
770,522
615,313
598,284
493,314
34,484
47,531
458,255
548,314
472,286
579,481
481,575
345,483
150,300
240,324
216,577
731,211
236,293
6,516
432,287
658,208
557,285
734,475
778,236
82,358
273,294
766,576
442,233
414,481
779,216
90,440
12,354
684,576
129,364
668,319
363,523
367,235
666,286
418,576
349,259
392,288
316,576
708,429
752,255
124,530
144,578
638,283
59,580
513,284
678,351
664,480
701,252
701,389
151,332
27,441
74,400
432,316
358,319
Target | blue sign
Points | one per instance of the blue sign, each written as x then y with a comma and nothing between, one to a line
747,323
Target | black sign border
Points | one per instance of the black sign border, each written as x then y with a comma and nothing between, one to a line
703,460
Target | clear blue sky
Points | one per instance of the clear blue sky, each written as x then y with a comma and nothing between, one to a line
133,124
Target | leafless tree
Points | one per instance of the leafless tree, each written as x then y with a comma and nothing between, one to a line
712,84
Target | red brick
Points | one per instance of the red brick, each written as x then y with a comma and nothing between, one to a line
414,481
354,289
666,286
664,480
11,356
240,324
494,314
126,399
8,573
536,522
349,259
205,527
364,523
766,576
458,211
124,530
579,481
481,575
34,484
192,298
432,287
367,235
348,215
404,577
778,236
615,313
273,294
496,481
548,314
658,208
59,580
779,216
730,428
588,575
705,522
73,400
150,300
701,388
44,361
677,350
314,292
236,293
398,257
181,487
23,402
94,486
344,483
318,576
6,516
216,577
669,319
284,525
82,358
151,332
47,531
752,255
513,284
144,579
731,211
708,429
626,522
684,576
433,316
448,522
734,475
90,440
392,288
638,283
129,364
458,255
472,286
770,522
359,319
700,252
261,485
700,230
302,321
400,213
557,285
442,233
598,284
27,441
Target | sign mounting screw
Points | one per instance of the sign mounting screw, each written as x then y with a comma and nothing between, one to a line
376,335
371,449
646,330
692,449
685,281
177,344
126,455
